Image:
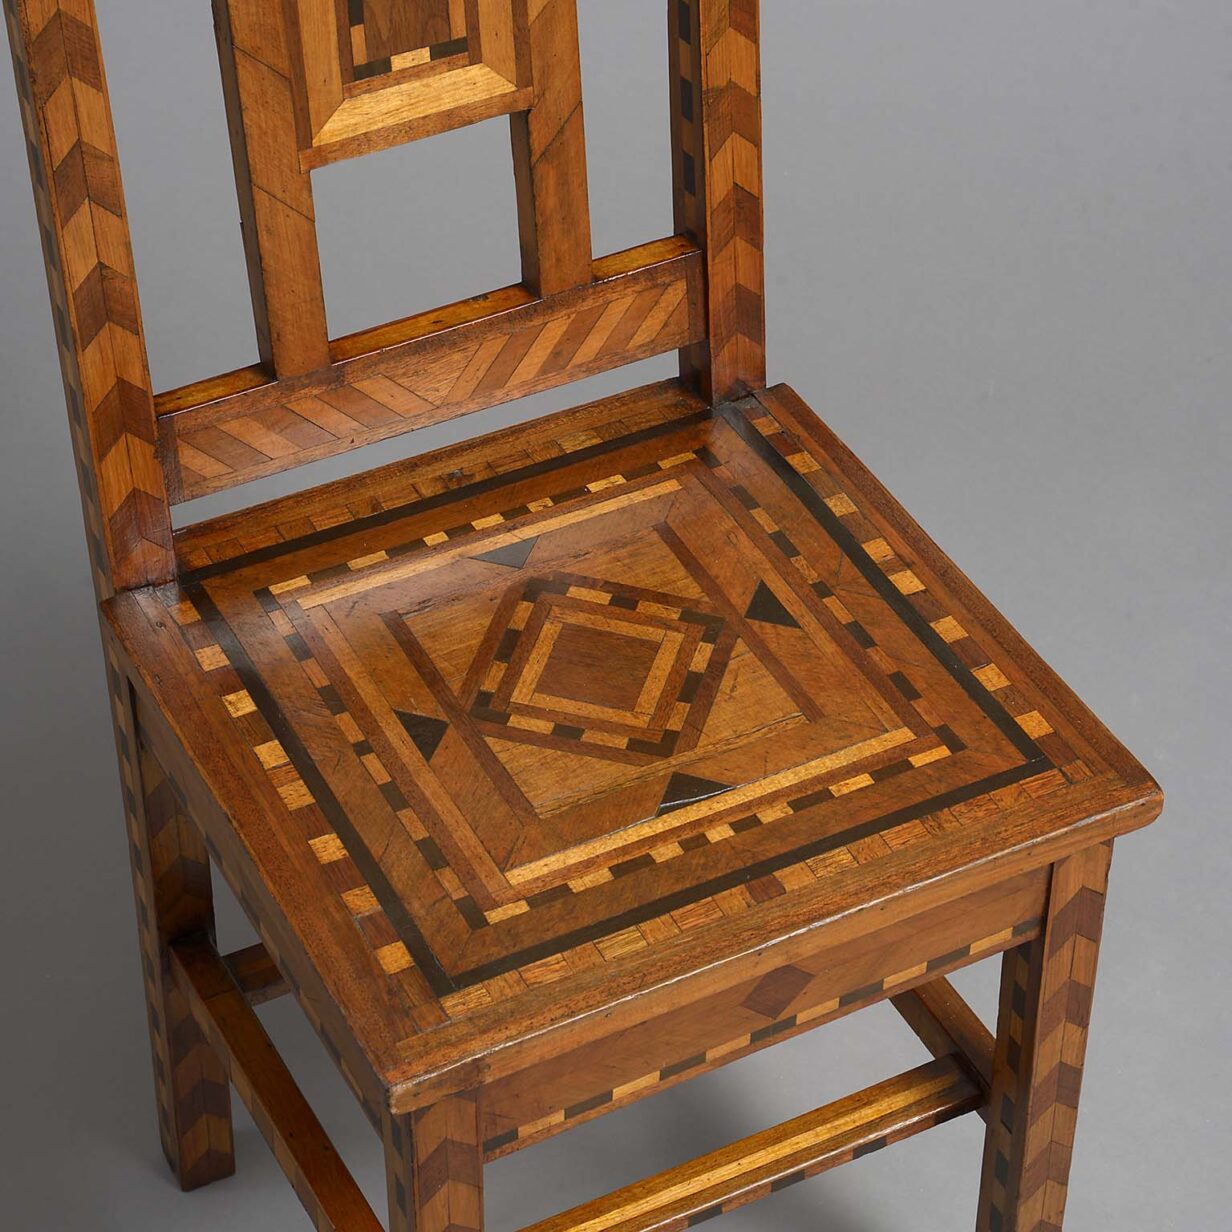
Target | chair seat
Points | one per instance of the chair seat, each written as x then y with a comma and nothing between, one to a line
512,731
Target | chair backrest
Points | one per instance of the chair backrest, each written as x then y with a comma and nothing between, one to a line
310,82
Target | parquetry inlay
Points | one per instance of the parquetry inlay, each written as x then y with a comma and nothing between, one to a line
692,660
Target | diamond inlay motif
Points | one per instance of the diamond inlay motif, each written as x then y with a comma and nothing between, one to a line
603,667
663,667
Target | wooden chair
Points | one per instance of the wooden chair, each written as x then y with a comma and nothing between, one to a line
566,764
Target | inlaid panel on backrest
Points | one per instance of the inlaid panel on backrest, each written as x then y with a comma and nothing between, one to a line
381,36
313,82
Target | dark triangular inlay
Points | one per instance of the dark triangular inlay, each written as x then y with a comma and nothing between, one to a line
685,789
767,606
512,555
426,733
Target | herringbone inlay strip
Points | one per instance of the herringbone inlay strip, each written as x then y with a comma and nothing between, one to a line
1046,992
171,881
621,319
516,692
436,1156
174,867
718,182
71,143
564,765
282,1116
778,989
80,205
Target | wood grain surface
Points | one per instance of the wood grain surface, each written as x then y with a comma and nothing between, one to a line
562,765
421,696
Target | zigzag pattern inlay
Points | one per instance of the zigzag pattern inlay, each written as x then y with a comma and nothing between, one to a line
171,887
339,1049
1046,993
80,203
279,1111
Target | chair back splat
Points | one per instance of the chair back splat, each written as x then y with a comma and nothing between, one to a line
312,82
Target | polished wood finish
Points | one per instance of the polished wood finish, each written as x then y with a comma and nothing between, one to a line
1046,991
549,154
430,368
275,192
316,1172
256,974
382,678
736,1175
562,765
947,1026
434,1166
791,992
171,880
715,66
70,139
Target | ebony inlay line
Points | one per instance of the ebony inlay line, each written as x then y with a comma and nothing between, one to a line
728,881
454,47
734,416
414,940
409,932
285,547
739,1046
455,714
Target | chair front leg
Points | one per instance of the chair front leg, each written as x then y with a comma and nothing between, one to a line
1046,991
171,883
434,1167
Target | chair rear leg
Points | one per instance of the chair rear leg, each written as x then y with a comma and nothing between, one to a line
434,1164
1046,991
171,884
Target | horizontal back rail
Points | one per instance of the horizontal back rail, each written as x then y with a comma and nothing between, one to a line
296,98
431,368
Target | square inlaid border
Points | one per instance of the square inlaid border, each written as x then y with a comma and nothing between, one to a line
350,108
451,49
1042,748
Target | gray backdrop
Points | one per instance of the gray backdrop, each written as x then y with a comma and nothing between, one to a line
999,262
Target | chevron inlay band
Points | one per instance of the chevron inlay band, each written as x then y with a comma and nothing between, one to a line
71,143
1046,995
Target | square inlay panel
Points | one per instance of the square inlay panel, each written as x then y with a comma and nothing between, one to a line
371,73
609,696
385,36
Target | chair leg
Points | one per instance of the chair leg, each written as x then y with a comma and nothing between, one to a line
171,883
434,1167
1046,990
